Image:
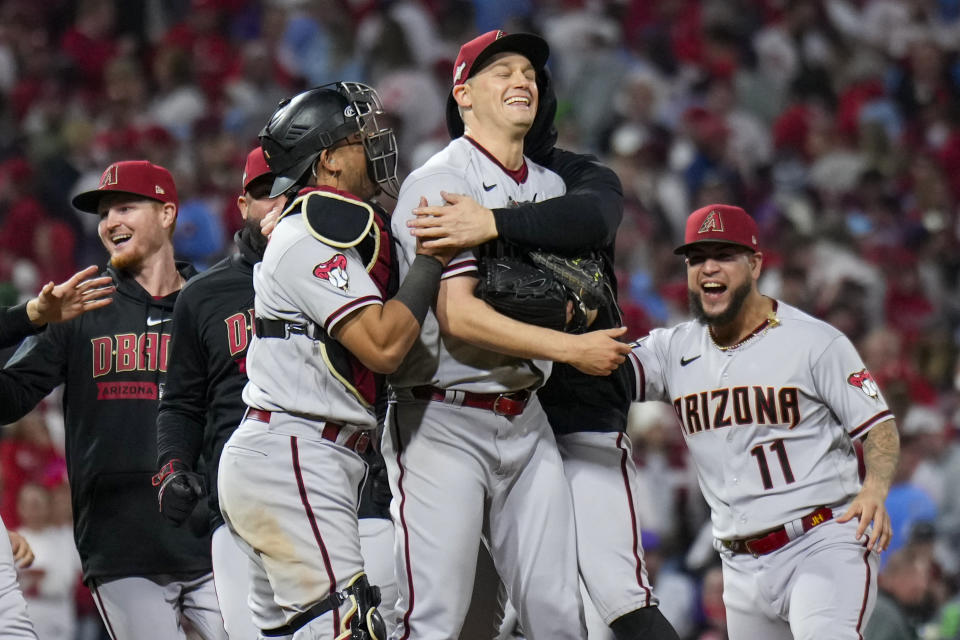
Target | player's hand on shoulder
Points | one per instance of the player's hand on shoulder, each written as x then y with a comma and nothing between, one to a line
460,223
444,253
869,507
598,353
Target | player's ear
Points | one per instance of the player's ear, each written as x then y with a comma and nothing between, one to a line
326,161
168,217
756,261
461,93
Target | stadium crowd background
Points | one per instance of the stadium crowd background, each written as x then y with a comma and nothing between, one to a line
836,123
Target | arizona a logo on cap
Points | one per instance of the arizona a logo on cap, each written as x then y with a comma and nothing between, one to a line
109,176
713,222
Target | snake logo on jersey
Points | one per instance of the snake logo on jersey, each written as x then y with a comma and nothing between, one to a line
865,382
334,271
738,406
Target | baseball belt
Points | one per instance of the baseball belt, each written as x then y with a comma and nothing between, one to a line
357,441
779,537
511,403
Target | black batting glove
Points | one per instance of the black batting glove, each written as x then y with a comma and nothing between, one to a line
179,490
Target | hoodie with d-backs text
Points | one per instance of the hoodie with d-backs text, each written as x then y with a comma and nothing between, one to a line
114,362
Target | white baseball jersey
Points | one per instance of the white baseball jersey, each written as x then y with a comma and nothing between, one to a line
305,281
464,167
769,423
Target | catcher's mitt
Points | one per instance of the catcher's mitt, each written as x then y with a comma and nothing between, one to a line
586,284
523,292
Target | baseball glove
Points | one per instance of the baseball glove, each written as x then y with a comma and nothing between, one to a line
554,292
523,292
585,282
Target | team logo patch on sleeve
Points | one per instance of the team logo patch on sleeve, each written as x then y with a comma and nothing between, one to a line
334,271
865,382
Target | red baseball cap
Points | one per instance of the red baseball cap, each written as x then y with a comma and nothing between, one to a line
256,167
474,54
720,223
136,177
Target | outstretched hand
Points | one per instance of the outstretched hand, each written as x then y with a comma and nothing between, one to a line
67,300
461,223
869,507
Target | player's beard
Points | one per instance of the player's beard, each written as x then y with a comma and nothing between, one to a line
726,316
127,261
256,239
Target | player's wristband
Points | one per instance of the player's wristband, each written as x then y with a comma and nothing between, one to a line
420,286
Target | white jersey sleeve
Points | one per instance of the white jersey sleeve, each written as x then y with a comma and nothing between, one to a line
842,380
428,185
324,283
647,361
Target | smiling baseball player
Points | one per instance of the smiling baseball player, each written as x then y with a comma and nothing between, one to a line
769,401
467,436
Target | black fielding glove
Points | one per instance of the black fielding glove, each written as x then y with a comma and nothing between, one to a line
522,291
179,490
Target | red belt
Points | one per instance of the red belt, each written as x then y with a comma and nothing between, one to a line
511,403
779,537
358,441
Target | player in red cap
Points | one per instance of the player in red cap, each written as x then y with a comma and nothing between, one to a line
467,435
145,574
770,400
213,321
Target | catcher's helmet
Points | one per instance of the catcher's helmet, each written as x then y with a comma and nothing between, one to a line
309,122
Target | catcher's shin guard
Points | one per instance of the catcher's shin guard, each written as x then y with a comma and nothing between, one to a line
362,621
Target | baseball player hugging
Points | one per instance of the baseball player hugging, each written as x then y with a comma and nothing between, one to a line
769,401
329,322
467,445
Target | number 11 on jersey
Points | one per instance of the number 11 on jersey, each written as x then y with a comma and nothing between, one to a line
780,449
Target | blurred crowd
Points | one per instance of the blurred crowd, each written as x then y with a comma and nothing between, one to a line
836,123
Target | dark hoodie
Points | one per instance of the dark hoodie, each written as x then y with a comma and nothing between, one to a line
114,363
202,406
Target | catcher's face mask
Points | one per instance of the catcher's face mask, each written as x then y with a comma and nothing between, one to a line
379,142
